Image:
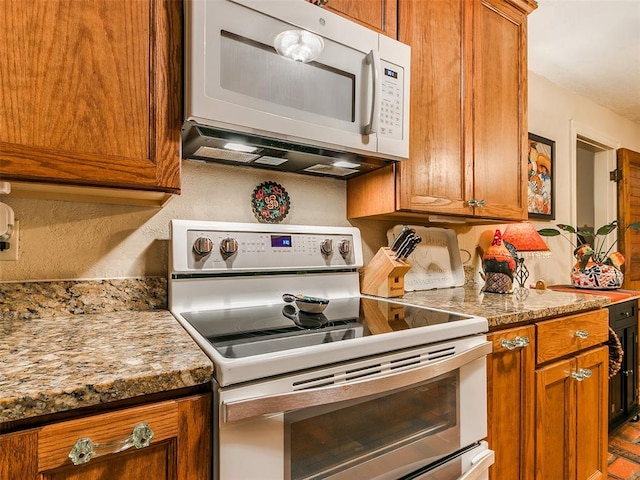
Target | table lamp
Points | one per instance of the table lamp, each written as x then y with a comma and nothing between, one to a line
528,243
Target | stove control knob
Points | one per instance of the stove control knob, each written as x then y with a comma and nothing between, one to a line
326,247
202,246
344,247
228,246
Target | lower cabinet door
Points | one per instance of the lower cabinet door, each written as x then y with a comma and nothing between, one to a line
510,373
555,456
591,414
571,418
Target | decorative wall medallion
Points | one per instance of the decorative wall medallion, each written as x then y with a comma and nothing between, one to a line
270,202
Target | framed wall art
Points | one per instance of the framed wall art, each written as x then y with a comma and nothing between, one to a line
541,171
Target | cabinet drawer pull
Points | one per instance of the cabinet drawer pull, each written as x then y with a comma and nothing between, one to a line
84,449
518,342
476,203
581,374
582,334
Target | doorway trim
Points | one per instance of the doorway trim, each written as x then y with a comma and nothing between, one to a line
606,203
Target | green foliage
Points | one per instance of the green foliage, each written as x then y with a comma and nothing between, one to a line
595,240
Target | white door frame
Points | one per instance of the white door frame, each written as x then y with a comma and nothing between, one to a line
605,197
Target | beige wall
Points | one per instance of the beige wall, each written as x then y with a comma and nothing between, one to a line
65,240
68,240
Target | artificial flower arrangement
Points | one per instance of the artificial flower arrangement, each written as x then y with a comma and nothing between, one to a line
597,267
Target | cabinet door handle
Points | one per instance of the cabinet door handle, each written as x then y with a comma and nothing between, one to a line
582,334
581,374
518,342
84,449
476,203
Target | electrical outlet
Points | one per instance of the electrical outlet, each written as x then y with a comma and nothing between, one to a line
11,254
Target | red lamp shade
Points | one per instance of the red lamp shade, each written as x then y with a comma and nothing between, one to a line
526,239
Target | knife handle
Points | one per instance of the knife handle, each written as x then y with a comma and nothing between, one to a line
405,245
414,243
400,238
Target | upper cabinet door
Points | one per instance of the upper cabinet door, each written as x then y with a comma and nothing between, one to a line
90,93
497,137
438,175
379,15
468,120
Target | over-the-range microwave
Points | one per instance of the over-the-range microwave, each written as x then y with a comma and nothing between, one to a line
338,105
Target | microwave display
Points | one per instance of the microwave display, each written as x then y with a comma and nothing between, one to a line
390,73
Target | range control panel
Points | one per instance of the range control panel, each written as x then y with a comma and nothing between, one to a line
263,247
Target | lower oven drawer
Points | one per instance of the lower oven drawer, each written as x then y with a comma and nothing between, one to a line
377,418
470,464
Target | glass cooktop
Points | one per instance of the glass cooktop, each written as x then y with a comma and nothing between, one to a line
248,331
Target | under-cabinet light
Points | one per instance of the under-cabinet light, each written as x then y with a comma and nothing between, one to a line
238,147
345,164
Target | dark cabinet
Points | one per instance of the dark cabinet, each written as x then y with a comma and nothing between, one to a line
623,387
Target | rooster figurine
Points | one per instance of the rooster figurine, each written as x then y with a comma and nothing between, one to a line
498,265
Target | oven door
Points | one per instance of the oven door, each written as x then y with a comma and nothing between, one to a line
379,418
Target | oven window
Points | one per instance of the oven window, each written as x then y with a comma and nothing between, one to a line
405,427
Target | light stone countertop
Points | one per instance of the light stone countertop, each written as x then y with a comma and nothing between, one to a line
68,345
73,344
52,365
504,310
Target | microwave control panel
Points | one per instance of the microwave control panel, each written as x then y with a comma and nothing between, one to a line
391,113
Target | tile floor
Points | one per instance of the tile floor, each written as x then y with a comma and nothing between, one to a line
624,451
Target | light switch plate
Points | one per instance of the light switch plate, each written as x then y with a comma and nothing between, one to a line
11,254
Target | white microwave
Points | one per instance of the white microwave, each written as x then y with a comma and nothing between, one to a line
340,107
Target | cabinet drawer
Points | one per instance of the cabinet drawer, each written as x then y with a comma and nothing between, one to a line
567,335
55,441
623,314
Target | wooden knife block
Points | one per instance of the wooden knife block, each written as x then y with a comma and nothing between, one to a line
383,276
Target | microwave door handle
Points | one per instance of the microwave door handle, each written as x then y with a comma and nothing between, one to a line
283,402
373,59
479,466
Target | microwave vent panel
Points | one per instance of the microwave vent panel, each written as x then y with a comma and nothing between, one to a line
222,154
267,160
331,170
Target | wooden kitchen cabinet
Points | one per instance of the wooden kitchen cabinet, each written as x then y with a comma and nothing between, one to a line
510,374
571,397
378,15
180,448
547,399
468,119
571,426
90,101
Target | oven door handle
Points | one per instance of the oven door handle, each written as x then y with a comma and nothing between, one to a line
479,466
283,402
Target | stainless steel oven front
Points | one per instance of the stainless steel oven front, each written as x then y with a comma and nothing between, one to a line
387,417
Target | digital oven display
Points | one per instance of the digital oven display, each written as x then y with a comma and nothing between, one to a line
390,73
281,241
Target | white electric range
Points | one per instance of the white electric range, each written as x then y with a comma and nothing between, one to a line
287,373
